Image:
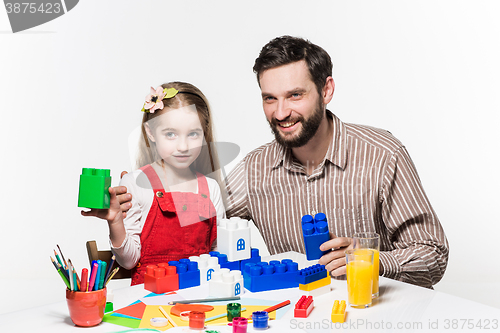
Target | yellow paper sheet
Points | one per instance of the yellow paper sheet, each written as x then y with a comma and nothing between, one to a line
153,311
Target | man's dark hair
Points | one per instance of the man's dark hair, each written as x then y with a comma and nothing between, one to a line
287,49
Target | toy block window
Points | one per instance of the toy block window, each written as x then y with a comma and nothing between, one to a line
240,245
237,289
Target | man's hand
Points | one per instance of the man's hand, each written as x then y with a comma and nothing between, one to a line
334,261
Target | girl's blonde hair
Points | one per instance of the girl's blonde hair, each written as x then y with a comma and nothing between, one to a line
208,161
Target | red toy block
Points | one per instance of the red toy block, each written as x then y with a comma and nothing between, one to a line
303,307
161,278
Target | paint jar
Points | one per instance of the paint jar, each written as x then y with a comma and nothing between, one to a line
233,311
260,320
196,320
86,308
240,325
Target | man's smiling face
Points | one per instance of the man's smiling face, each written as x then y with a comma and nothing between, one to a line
291,103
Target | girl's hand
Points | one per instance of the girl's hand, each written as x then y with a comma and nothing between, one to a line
124,198
114,213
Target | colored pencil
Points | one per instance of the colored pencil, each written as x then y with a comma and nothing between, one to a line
54,262
92,276
62,256
111,275
76,288
77,278
277,306
65,273
64,278
84,283
110,267
60,271
170,320
59,259
71,283
203,300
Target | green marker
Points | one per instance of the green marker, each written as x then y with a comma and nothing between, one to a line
64,278
103,275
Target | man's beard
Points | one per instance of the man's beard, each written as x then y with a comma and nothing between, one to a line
309,128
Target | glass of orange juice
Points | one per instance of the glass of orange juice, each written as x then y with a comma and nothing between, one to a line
370,240
359,277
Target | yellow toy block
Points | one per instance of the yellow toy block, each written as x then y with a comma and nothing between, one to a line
316,284
338,312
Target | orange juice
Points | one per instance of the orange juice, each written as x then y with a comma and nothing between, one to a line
360,279
376,263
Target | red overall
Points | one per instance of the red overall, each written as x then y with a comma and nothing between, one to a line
162,238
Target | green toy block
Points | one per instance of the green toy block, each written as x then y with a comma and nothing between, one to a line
94,188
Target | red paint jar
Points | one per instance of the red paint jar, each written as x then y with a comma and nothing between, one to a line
196,320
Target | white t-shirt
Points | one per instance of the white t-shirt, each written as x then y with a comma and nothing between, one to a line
137,183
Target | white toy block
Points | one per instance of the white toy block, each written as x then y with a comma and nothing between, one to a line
207,266
226,283
233,238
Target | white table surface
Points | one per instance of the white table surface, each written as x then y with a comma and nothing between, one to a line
400,307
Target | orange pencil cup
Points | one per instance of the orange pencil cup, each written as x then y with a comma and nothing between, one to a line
86,308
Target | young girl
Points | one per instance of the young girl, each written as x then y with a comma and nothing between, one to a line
174,206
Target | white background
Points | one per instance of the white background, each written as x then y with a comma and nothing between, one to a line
71,91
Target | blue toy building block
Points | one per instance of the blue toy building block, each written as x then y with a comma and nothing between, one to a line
272,276
311,274
189,274
94,188
255,258
224,263
315,232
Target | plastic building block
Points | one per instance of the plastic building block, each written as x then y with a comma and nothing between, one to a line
272,276
161,278
316,284
315,233
207,266
236,265
189,274
226,283
233,238
338,312
254,258
224,263
94,187
311,274
303,307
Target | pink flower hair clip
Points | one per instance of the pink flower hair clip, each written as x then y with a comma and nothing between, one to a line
154,101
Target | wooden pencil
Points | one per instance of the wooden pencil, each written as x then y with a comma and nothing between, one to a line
170,320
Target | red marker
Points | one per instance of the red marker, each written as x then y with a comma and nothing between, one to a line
92,276
83,284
